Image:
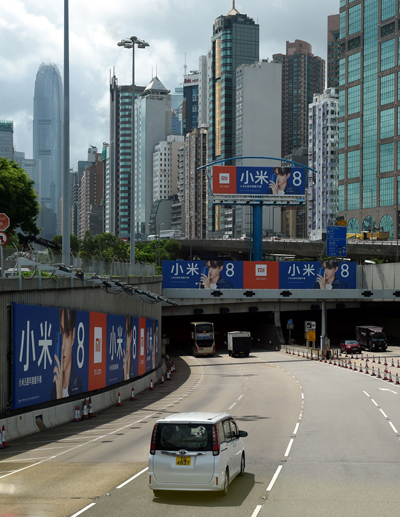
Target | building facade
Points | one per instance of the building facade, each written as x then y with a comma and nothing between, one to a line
303,74
165,167
323,156
369,143
333,51
7,139
47,134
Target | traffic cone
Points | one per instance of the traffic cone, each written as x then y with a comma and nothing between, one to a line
91,414
392,362
77,414
355,367
168,375
350,367
373,358
379,374
119,403
3,438
366,368
398,363
379,360
162,379
361,368
373,372
385,376
133,394
366,360
390,377
151,384
397,378
85,410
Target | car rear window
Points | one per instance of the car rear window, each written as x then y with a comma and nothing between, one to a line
191,437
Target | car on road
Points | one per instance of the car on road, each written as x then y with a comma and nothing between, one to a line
195,451
350,346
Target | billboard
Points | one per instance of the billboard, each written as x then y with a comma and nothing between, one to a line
60,353
229,179
219,274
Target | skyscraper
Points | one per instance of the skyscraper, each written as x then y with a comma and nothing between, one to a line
333,52
47,133
7,139
235,42
303,74
369,145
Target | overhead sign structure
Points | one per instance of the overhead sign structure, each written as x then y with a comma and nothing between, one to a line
3,238
336,241
4,222
264,181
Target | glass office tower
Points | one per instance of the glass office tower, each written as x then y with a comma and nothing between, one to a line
47,133
369,149
235,42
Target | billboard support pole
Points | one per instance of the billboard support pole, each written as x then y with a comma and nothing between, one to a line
323,325
257,232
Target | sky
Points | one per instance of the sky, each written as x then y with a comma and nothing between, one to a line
178,31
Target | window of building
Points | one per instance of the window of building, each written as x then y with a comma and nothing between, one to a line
341,198
386,162
342,24
353,132
388,29
354,19
386,191
353,196
354,65
387,54
353,164
388,9
387,123
387,89
353,100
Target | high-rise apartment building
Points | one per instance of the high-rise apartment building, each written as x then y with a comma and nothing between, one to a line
119,170
165,167
153,124
333,51
323,156
369,144
235,42
190,101
47,133
91,190
7,139
303,74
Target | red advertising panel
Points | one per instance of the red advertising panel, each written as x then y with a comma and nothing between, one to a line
97,350
142,346
224,179
260,275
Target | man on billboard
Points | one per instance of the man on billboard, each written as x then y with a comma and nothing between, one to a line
281,186
66,381
326,277
212,279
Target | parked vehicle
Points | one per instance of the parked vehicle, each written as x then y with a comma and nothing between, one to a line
239,343
350,346
195,451
371,337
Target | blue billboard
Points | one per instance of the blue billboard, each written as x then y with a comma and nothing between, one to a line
202,274
329,274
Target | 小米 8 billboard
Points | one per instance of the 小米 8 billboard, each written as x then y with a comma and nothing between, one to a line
60,353
220,274
230,179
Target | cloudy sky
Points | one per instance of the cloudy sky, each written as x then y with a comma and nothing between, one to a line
31,33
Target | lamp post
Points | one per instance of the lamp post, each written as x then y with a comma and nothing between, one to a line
371,192
130,43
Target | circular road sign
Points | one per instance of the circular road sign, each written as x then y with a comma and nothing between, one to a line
4,222
3,238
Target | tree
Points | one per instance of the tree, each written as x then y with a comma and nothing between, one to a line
74,242
18,198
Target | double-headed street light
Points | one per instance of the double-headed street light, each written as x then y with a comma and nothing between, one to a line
130,43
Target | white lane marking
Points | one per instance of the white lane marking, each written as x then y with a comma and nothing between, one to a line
233,405
83,510
289,447
366,394
296,428
241,396
274,478
383,413
393,427
374,402
132,478
256,511
391,391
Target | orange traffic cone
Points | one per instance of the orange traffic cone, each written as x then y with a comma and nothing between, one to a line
151,384
85,410
119,403
133,394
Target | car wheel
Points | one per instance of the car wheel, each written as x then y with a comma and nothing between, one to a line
224,491
157,493
242,465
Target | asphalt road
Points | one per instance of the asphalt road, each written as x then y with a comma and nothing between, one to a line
323,440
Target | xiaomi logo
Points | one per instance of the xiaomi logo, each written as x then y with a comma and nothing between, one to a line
224,178
261,270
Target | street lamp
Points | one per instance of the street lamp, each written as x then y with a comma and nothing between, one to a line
130,43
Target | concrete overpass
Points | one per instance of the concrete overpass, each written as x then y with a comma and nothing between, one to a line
301,248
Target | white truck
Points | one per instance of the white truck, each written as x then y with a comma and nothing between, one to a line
239,343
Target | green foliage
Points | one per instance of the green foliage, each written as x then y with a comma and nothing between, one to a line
18,198
74,242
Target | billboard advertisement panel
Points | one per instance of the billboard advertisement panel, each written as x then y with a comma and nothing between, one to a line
60,353
214,274
259,180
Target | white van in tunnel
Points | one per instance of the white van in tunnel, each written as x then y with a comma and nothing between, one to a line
195,451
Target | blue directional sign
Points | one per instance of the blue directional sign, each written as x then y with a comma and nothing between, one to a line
336,241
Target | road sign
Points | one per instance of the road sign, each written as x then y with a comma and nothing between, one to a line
3,238
311,335
310,325
336,241
4,222
290,325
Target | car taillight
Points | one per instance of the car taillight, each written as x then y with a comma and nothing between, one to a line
153,440
215,441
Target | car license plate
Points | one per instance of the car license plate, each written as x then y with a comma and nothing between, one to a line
183,460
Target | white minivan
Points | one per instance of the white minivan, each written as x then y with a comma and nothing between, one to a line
195,451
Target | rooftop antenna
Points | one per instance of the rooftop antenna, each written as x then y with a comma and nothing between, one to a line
233,4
